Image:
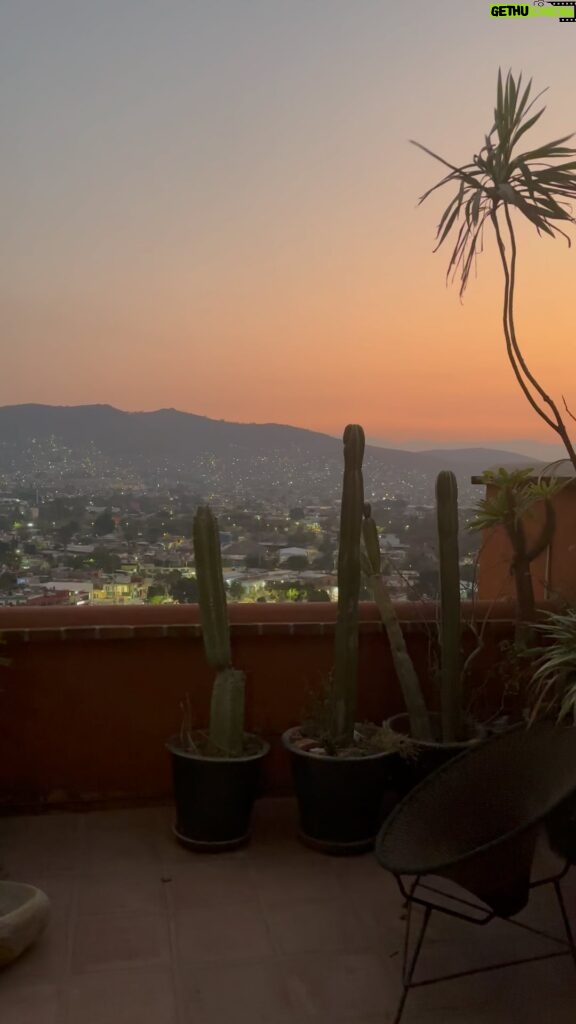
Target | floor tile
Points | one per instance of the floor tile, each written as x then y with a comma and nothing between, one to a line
136,889
342,987
37,1004
122,997
213,933
119,839
245,992
322,926
119,940
295,876
209,881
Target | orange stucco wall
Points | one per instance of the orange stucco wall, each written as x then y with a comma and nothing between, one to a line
553,572
92,694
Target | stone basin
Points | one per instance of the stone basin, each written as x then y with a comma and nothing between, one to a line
24,912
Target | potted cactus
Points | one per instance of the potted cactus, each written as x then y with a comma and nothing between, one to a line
216,773
342,769
435,736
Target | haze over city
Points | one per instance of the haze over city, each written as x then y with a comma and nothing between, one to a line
212,207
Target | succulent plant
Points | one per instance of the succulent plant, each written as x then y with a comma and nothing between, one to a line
226,731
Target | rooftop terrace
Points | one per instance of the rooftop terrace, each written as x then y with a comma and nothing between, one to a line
145,932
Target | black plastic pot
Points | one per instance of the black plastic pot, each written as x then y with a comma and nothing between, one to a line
428,755
342,801
214,797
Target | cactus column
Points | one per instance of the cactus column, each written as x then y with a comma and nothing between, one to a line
420,728
349,575
227,704
451,674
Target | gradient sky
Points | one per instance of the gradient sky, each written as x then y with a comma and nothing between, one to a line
211,205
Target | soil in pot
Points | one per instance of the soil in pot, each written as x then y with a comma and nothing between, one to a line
343,797
215,795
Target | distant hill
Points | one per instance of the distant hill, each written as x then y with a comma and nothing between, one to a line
250,458
481,458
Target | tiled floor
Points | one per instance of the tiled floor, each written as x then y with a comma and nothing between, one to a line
144,932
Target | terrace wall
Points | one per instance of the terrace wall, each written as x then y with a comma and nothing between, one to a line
92,694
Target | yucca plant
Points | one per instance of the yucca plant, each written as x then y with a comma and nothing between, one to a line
538,183
511,506
554,681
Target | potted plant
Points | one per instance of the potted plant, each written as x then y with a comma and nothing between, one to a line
497,186
342,769
216,773
515,494
554,695
436,736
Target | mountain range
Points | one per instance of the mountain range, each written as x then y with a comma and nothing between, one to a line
100,441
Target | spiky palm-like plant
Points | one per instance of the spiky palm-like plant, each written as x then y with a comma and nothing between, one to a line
511,505
554,681
538,183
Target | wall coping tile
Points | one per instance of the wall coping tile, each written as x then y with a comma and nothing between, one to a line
121,622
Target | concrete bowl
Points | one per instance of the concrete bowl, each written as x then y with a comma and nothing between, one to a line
24,913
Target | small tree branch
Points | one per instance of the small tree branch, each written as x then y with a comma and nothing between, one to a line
571,414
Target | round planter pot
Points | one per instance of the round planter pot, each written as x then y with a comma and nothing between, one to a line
429,755
342,801
24,912
214,797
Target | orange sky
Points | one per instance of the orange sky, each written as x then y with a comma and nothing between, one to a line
215,210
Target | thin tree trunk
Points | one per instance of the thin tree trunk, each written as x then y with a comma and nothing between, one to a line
515,356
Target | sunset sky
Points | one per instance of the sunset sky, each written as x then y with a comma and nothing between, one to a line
211,205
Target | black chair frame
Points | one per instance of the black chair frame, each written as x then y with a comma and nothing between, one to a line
484,915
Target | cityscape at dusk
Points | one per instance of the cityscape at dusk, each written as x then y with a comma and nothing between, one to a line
213,207
287,512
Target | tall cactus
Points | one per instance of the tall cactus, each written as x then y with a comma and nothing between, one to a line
450,628
227,705
420,727
349,576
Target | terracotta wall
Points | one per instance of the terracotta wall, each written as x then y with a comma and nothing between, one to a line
92,694
553,572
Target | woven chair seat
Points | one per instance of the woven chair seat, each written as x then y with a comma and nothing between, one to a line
476,820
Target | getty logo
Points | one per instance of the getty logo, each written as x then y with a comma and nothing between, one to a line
541,8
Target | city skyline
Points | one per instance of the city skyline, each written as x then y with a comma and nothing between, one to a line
213,208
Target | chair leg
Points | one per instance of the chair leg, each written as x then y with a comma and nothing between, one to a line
567,926
409,963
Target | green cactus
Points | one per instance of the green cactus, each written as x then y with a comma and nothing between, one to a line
450,625
349,577
420,727
226,730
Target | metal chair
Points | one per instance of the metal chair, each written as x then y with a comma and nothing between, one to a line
476,822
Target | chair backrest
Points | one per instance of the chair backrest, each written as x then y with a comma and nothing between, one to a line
504,785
